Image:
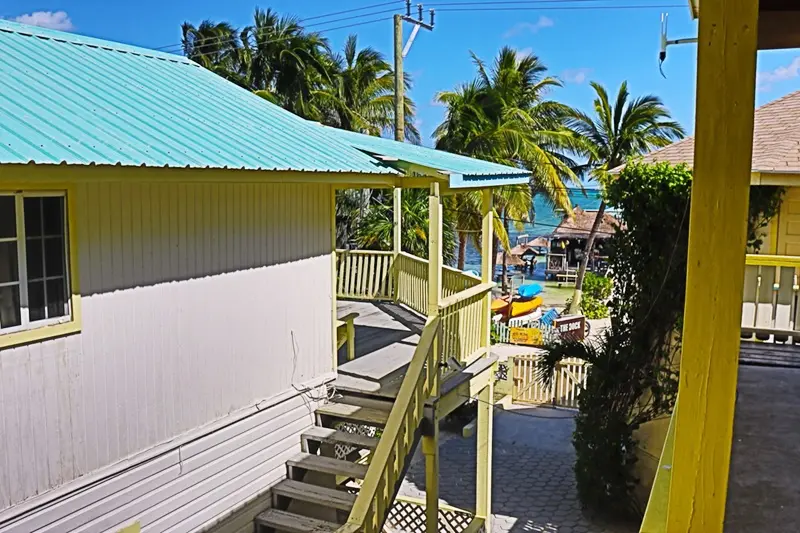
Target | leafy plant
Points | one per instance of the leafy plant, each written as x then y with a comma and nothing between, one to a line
597,286
632,378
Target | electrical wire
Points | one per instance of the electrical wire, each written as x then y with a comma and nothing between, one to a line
558,8
353,10
176,48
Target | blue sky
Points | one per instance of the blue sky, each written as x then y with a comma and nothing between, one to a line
578,45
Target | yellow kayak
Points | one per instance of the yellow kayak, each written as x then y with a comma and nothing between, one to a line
499,305
523,307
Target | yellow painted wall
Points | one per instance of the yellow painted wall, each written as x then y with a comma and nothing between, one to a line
788,224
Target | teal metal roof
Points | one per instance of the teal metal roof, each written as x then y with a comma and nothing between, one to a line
70,99
463,171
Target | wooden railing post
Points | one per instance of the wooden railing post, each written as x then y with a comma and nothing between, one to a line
430,449
434,250
483,476
397,237
487,239
726,72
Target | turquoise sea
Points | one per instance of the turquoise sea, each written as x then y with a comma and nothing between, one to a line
545,221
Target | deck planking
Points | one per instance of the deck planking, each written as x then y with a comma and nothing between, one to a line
386,335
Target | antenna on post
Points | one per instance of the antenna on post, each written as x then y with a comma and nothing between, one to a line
662,54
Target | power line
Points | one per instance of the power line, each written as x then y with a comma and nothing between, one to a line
559,8
221,40
512,2
352,10
175,48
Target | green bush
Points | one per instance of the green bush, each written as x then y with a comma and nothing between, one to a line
596,286
593,308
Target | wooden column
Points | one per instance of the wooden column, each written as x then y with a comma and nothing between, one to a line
716,259
483,476
334,278
397,228
430,449
434,250
487,238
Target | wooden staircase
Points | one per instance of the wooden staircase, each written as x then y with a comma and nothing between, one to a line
321,489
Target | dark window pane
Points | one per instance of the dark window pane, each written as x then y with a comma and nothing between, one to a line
53,257
33,217
9,271
9,307
53,209
56,296
8,217
36,301
33,253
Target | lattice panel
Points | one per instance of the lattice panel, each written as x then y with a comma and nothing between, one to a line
409,517
341,450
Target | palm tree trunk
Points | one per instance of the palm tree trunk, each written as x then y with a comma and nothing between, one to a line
505,255
462,250
575,307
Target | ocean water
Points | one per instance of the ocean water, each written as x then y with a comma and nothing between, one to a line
546,219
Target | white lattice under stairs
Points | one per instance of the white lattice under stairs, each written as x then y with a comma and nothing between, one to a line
408,516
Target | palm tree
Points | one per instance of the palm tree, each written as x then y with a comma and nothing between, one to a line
215,46
630,127
285,63
375,232
503,116
360,93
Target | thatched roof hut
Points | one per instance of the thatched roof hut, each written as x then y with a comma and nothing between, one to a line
579,225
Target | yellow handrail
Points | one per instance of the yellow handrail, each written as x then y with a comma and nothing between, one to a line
420,383
772,260
462,323
364,274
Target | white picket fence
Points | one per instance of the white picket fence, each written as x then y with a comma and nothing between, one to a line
564,389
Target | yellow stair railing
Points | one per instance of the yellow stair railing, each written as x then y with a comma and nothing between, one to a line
399,436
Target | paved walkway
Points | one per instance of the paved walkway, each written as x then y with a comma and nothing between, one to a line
533,479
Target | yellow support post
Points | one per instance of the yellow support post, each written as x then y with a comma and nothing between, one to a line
487,238
430,449
434,250
397,228
726,71
483,477
334,277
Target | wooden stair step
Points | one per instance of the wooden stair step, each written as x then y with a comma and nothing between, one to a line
332,436
328,465
310,493
294,523
354,413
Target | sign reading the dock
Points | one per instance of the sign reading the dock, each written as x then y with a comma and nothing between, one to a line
571,327
526,336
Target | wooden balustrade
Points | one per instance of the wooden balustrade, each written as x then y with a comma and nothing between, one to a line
399,436
412,282
770,296
364,274
462,316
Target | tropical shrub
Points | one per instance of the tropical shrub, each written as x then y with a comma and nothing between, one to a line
631,378
596,292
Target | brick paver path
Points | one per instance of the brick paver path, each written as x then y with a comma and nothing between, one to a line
533,480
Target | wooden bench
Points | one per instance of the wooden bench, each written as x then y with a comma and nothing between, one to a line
346,333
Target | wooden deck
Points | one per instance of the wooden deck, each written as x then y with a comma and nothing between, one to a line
386,337
764,486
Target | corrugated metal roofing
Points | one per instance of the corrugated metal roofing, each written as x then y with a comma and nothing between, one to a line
464,171
70,99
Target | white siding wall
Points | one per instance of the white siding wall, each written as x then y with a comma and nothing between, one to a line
198,300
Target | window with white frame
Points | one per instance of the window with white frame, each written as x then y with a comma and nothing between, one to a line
34,277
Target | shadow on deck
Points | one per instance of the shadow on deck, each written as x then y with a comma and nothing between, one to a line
764,486
386,336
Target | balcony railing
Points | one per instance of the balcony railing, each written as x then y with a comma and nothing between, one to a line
770,296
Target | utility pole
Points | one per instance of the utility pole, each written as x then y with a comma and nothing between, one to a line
400,52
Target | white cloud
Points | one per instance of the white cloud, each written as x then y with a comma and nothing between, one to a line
55,20
524,52
764,80
576,75
529,27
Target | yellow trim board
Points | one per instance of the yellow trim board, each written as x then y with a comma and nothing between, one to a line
74,325
772,260
655,517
